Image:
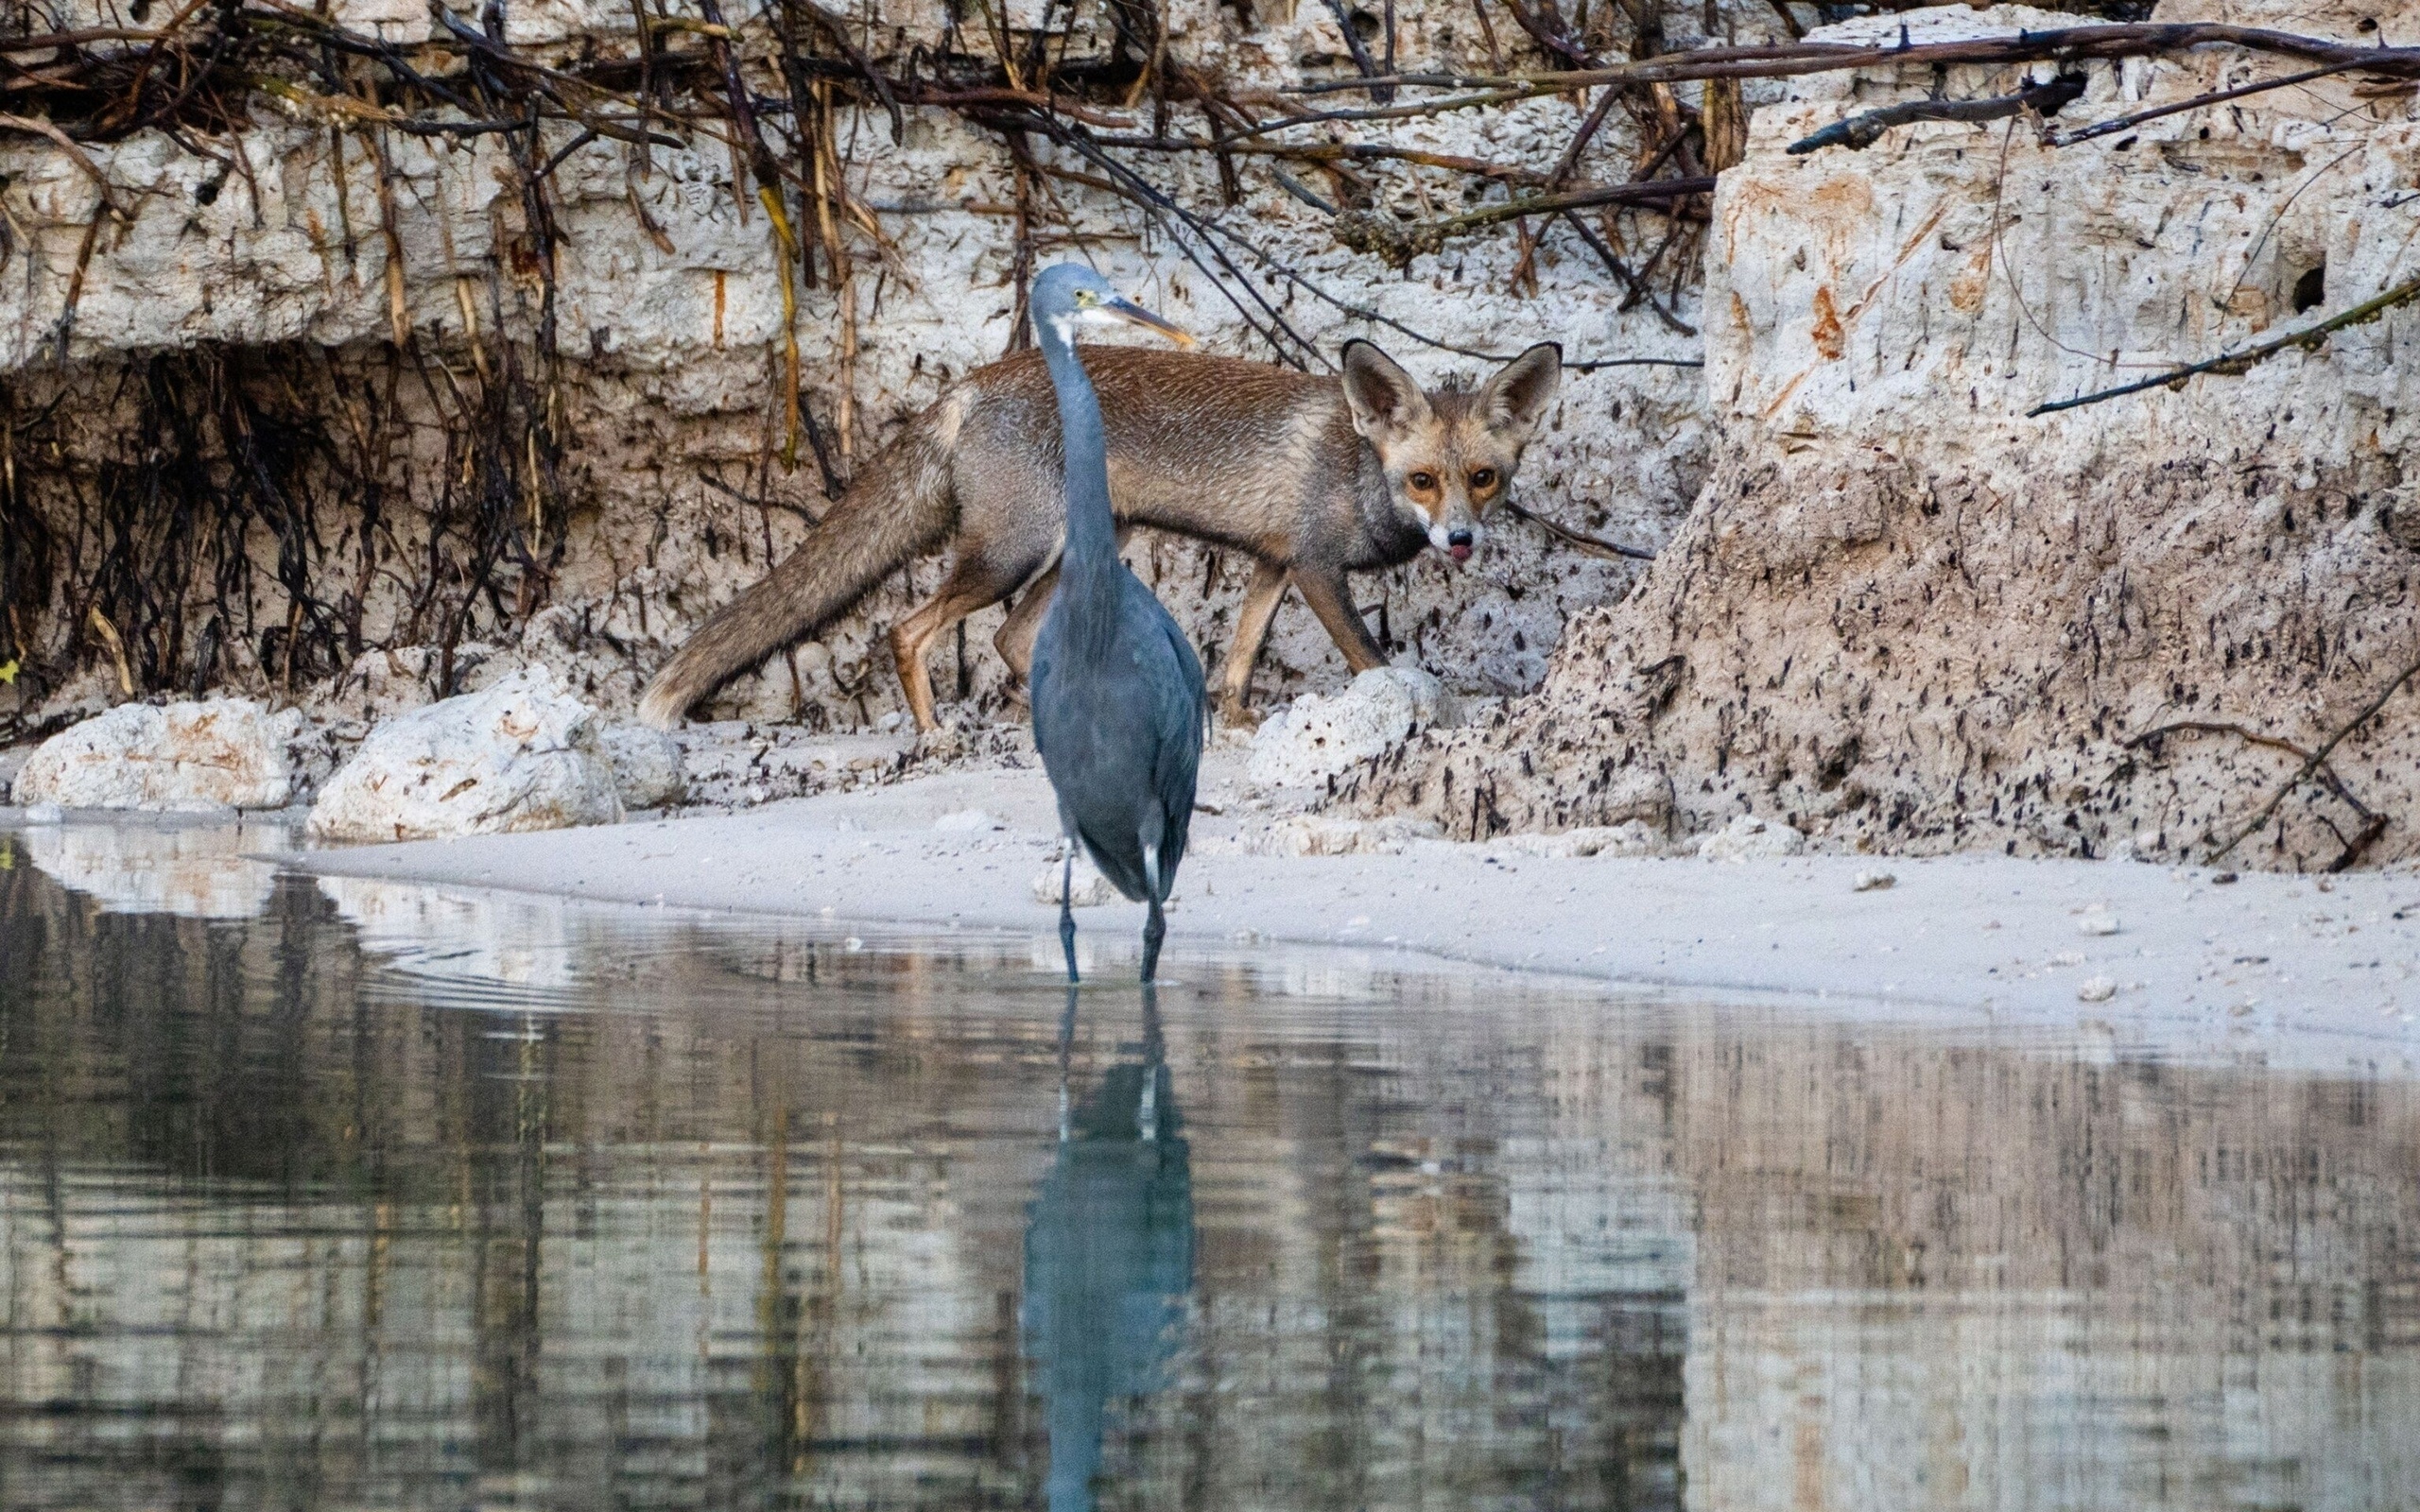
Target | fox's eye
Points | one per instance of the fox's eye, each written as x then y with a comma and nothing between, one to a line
1483,478
1422,481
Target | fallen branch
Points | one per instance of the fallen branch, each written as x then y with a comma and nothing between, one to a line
2310,339
2316,760
1399,242
1859,132
1612,551
2069,139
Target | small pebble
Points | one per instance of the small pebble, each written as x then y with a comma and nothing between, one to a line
853,944
2222,879
1876,882
2067,958
2098,921
2096,990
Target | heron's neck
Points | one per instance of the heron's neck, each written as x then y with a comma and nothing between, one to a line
1092,534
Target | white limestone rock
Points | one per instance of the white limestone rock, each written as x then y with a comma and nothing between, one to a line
522,755
646,765
1088,888
1632,838
1329,835
1317,737
1750,838
178,758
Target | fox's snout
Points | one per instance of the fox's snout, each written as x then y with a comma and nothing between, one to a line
1457,540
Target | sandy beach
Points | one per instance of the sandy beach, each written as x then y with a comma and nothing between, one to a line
2263,964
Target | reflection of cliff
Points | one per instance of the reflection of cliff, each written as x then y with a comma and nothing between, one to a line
755,1234
1108,1260
1914,1264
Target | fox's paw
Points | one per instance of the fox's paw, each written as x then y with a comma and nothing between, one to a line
1234,714
946,741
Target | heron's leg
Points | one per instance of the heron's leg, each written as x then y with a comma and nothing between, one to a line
1261,599
1155,928
1066,1050
1067,911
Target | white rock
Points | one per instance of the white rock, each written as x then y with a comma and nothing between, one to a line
2097,921
178,758
1876,882
646,764
969,821
2096,990
1317,737
1748,838
1630,838
520,755
1090,888
1324,835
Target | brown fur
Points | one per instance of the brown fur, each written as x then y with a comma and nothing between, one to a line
1310,476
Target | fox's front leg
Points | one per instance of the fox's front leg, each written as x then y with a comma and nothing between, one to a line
1331,600
1261,599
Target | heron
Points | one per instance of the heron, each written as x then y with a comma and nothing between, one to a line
1118,712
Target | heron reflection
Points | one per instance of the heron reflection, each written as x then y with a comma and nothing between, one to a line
1108,1255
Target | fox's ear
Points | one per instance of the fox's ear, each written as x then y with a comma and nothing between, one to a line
1515,399
1383,396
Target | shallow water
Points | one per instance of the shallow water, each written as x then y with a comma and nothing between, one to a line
351,1195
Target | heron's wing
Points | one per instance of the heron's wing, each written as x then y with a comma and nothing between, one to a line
1181,721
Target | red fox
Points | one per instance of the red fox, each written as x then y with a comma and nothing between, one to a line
1311,476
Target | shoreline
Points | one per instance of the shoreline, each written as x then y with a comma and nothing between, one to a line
2270,964
2216,969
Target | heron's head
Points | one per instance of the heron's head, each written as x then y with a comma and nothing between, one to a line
1071,298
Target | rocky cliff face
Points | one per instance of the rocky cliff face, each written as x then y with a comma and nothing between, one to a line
1909,614
284,421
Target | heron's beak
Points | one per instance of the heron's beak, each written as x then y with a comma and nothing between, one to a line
1134,314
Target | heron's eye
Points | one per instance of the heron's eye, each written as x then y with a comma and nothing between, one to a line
1483,478
1422,481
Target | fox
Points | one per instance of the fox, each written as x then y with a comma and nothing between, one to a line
1312,476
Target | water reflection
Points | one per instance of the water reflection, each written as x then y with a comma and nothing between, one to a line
1108,1254
541,1207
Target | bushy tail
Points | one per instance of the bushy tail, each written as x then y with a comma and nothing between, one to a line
900,507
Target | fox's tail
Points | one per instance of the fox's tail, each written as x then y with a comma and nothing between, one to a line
900,507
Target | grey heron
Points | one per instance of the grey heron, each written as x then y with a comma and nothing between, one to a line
1118,712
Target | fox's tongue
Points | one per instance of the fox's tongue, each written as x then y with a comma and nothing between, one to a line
1459,553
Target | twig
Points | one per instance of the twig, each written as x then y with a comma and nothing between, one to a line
1590,544
1398,242
2310,339
2316,761
1860,131
2069,139
76,154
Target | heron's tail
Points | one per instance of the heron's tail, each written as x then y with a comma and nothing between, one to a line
900,507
